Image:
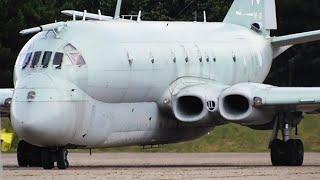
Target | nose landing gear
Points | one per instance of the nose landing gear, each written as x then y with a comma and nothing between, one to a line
49,156
62,160
34,156
286,152
28,155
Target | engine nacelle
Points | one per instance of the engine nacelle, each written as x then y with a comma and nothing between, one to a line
192,100
238,104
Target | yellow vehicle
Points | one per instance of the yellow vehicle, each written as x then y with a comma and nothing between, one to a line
6,140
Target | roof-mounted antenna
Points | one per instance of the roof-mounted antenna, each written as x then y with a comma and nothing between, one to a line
139,16
84,15
204,16
118,9
99,13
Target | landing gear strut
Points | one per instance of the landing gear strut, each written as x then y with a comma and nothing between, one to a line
288,151
34,156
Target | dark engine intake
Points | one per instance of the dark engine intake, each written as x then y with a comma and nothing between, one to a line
189,108
236,105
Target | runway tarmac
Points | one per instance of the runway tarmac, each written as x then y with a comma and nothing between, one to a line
166,166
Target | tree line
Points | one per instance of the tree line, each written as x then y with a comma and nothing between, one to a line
297,67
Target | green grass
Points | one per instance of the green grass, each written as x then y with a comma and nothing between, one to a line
228,138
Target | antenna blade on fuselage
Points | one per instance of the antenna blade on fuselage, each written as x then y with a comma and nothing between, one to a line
118,9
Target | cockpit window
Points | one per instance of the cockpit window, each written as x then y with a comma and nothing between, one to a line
46,59
77,59
74,55
35,59
57,60
26,60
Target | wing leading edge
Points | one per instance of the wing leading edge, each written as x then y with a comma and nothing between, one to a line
261,95
298,38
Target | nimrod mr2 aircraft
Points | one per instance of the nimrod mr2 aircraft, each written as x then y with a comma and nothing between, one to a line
103,81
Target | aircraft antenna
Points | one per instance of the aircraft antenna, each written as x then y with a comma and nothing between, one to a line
99,13
84,15
204,16
118,9
139,16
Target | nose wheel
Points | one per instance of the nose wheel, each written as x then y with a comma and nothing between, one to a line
62,159
286,152
49,156
29,155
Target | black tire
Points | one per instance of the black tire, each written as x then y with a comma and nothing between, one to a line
22,154
278,152
35,156
295,154
300,152
291,152
62,159
47,161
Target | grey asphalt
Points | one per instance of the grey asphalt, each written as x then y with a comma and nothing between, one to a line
166,166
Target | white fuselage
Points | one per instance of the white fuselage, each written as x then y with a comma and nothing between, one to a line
111,100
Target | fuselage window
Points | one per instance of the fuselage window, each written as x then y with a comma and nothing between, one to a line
26,60
46,59
57,60
35,59
77,59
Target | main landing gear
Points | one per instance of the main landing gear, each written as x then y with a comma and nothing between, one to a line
34,156
288,151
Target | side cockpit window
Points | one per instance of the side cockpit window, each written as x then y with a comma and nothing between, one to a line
46,59
35,59
57,60
74,55
26,60
76,59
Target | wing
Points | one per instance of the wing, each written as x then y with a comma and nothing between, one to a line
298,38
5,101
302,99
256,104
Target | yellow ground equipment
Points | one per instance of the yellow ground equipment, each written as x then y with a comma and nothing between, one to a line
6,140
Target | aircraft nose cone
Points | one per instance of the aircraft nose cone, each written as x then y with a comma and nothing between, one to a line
40,113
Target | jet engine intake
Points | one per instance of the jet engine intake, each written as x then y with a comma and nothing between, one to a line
192,100
190,105
189,108
238,105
